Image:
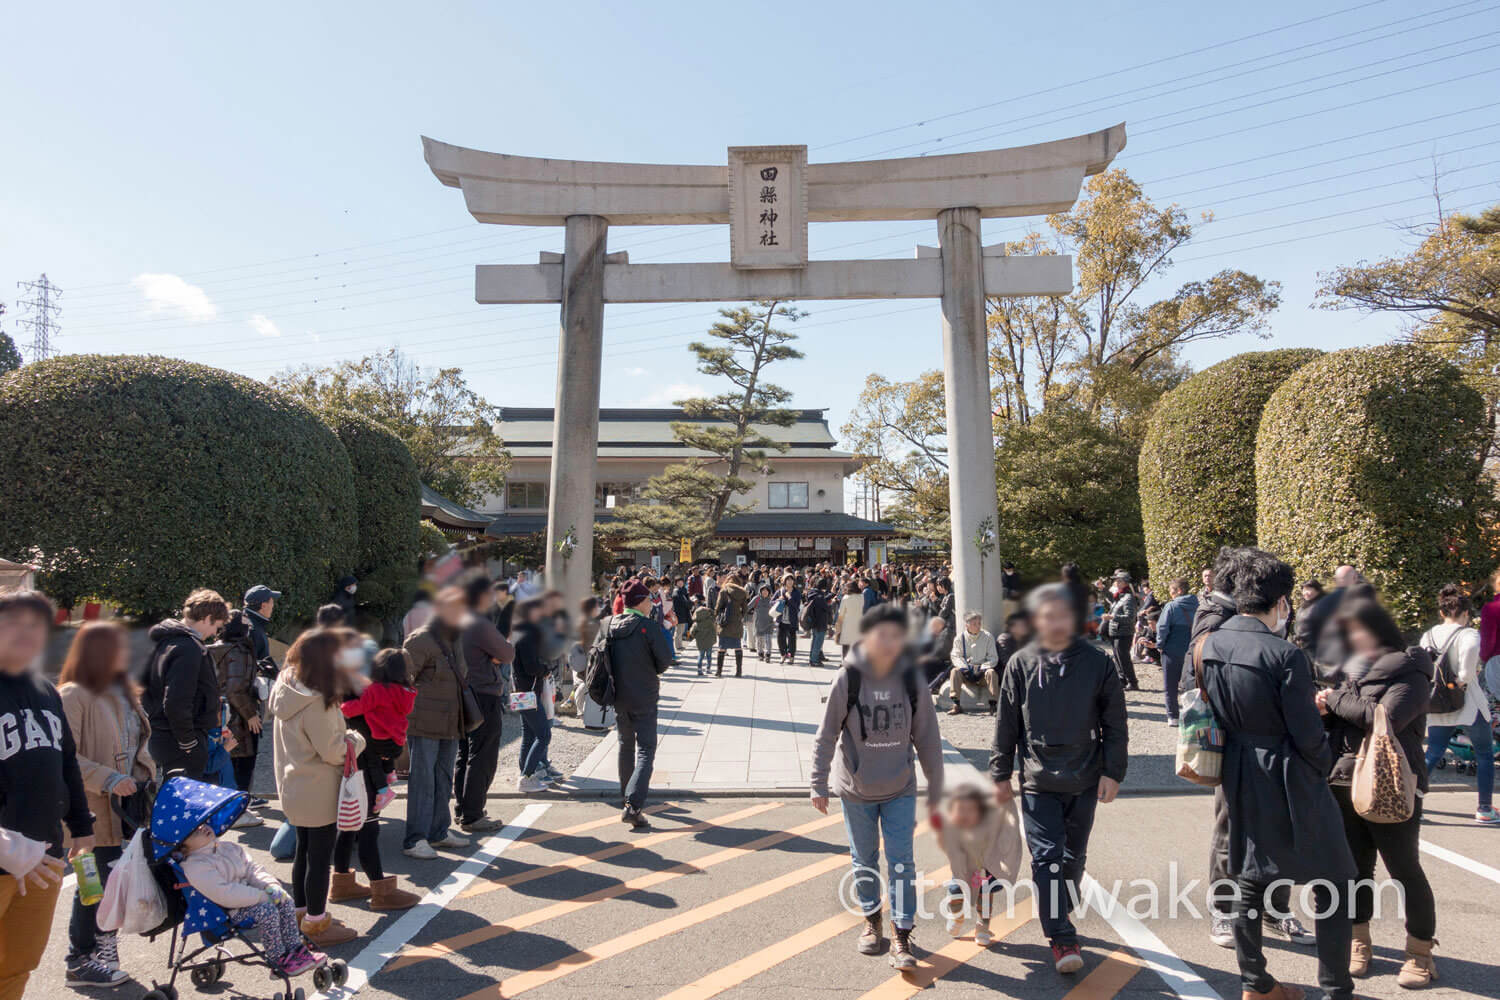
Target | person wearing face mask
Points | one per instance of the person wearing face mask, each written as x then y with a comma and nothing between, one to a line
1275,789
181,689
343,596
309,738
439,675
1380,671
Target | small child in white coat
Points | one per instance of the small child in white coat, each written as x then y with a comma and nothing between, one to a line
982,841
224,873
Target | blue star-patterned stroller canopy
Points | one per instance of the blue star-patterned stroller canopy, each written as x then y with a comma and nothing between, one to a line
183,805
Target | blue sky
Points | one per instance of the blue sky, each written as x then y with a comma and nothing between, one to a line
244,187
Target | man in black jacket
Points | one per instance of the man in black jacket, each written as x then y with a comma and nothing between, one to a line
1062,707
181,687
817,614
640,651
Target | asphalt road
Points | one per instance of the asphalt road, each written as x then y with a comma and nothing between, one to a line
739,898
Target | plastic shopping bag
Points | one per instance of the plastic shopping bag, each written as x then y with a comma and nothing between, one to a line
548,698
1200,742
132,902
354,797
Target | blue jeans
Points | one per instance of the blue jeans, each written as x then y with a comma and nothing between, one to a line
705,659
1171,671
637,759
1483,742
1057,833
536,733
429,789
815,647
866,824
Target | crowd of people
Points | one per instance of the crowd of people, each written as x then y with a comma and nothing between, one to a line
1294,698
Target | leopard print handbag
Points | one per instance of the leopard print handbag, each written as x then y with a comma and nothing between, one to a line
1385,787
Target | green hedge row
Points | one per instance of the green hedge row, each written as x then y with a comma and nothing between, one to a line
136,479
1196,470
1370,457
388,495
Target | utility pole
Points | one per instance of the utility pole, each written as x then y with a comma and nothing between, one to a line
41,319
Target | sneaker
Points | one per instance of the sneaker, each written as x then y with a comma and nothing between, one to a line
107,949
451,841
86,971
553,772
247,818
421,850
530,783
956,926
1487,816
1221,931
1066,958
901,955
481,825
1292,930
982,935
384,797
302,959
257,803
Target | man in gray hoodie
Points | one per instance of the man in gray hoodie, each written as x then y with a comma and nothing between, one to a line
878,719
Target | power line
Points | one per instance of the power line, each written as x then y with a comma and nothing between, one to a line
41,319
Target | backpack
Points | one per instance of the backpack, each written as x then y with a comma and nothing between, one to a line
599,673
852,681
1447,692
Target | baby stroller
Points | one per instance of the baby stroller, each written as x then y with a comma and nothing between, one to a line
1461,752
182,805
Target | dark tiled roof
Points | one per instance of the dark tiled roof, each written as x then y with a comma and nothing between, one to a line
445,513
741,525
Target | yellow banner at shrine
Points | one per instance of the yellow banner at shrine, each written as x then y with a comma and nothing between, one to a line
685,554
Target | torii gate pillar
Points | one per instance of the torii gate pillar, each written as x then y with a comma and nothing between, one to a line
966,389
575,421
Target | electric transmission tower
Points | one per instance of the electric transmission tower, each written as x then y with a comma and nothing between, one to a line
42,311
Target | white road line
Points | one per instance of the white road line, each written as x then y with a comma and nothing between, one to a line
1181,980
395,937
1454,858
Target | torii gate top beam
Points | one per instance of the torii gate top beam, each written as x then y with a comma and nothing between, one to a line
536,191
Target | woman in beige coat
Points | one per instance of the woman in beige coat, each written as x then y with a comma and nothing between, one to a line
851,610
110,731
310,741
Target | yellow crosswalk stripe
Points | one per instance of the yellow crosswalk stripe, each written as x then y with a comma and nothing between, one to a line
452,945
479,887
943,961
1108,978
735,973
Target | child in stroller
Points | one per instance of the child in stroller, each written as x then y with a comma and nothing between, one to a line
214,890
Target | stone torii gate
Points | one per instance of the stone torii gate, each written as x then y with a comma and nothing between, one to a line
767,195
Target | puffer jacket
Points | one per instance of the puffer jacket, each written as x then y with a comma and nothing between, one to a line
224,873
1402,682
1066,719
234,664
733,598
705,632
309,740
181,688
98,724
1122,615
437,670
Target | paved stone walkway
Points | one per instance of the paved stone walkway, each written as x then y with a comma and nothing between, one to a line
750,733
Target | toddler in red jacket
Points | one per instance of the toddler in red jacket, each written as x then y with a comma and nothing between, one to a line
383,707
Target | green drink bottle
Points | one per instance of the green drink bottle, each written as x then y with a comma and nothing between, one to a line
90,889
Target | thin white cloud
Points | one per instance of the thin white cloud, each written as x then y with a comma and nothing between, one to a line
168,293
668,395
262,325
635,372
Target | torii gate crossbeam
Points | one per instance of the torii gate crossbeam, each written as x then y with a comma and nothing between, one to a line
772,192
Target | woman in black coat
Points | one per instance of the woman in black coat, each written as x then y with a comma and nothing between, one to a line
1381,671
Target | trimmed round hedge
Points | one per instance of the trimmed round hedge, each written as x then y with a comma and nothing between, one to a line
388,496
1370,457
136,479
1196,473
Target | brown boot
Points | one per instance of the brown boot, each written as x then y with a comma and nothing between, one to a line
1418,970
387,897
327,932
346,886
1280,991
871,939
1361,951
